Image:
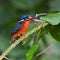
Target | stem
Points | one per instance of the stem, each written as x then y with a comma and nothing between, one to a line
53,42
21,39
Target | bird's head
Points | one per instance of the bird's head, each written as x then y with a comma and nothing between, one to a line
29,18
26,17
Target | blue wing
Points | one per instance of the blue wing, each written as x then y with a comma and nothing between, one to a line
17,27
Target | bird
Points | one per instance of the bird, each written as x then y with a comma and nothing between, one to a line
22,26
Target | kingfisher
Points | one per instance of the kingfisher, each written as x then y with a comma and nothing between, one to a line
22,26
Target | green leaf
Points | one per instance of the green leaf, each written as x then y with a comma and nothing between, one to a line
53,18
31,52
55,32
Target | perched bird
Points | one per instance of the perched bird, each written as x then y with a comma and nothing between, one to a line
22,26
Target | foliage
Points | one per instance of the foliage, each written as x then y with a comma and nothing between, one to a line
31,51
53,18
54,28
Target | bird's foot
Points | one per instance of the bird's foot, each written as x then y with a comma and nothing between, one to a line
23,35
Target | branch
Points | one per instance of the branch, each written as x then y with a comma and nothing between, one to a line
21,39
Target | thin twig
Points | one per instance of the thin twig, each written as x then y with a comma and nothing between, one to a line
6,58
41,14
21,39
45,49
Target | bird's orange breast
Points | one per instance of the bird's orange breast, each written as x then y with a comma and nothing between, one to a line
24,28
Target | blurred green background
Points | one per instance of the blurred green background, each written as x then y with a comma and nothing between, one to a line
10,12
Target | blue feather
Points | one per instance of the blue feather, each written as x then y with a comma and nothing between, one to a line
23,17
17,27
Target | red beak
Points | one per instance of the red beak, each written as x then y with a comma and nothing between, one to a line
37,20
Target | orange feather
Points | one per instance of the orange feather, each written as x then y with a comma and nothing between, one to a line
24,28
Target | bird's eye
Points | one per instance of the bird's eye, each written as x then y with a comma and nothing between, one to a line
30,17
27,20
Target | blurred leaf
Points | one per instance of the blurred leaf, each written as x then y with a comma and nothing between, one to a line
41,33
31,52
18,3
22,4
7,13
3,42
28,40
55,32
53,18
54,5
17,52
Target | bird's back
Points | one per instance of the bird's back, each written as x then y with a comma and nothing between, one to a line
16,28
